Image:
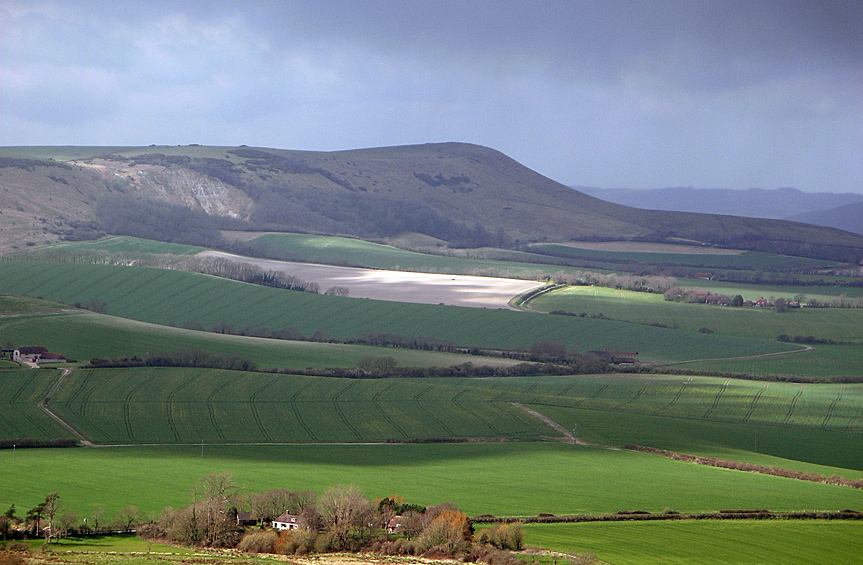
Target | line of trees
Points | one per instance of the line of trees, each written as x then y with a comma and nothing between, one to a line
340,518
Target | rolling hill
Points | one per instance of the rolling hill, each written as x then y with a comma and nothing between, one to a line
457,194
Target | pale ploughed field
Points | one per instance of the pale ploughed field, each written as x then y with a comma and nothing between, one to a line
398,286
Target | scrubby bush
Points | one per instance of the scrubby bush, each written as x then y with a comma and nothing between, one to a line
258,542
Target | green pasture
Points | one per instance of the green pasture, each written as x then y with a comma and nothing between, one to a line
840,324
496,478
358,253
820,361
172,297
747,260
756,291
733,542
736,419
128,244
121,543
83,335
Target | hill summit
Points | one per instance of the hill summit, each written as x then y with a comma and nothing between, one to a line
460,194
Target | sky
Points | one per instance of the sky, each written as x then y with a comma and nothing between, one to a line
605,93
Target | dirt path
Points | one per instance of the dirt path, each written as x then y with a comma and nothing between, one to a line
567,435
44,406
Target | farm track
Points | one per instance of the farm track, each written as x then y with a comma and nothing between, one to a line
638,394
169,406
127,408
299,415
793,405
376,403
341,412
425,410
212,410
754,403
833,406
567,435
473,413
14,398
253,406
716,400
677,396
44,406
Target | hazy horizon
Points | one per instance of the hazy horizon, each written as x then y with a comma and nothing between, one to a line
710,94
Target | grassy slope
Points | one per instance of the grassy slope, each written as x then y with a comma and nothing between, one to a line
731,542
840,324
535,477
84,335
498,193
732,419
165,297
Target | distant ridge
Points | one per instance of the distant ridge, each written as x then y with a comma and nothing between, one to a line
848,217
780,203
457,194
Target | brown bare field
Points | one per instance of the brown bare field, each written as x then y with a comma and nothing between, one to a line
398,286
646,247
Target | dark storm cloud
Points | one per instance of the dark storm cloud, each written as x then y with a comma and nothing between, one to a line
622,93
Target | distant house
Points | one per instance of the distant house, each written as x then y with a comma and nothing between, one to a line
30,354
395,524
52,358
245,519
286,522
624,357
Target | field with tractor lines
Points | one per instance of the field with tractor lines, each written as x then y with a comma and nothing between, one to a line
741,542
178,298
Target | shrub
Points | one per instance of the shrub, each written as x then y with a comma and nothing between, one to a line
258,542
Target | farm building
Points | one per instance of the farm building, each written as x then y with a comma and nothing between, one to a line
286,522
36,354
245,519
395,524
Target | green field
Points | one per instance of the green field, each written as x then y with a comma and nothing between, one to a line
750,542
358,253
172,297
747,260
501,479
840,324
743,420
125,244
83,335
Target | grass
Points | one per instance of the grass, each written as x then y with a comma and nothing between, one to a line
500,479
748,542
748,260
171,297
121,543
358,253
128,244
840,324
84,335
743,420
